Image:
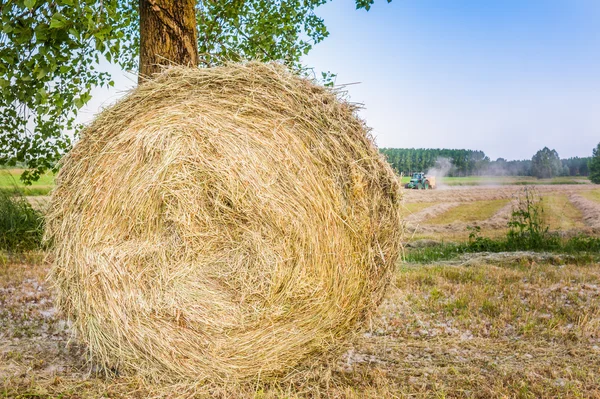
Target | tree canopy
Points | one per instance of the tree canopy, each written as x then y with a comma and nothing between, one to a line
50,50
546,164
409,160
594,165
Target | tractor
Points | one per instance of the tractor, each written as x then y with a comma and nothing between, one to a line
421,182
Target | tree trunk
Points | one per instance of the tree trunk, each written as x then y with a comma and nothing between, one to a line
167,35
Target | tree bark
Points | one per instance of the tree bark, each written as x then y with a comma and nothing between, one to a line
167,35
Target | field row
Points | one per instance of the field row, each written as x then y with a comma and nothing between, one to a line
447,213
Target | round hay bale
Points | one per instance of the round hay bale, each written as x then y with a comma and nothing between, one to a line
222,224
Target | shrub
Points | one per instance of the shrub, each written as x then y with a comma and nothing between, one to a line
21,226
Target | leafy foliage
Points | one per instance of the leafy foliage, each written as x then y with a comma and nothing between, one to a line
409,160
21,226
48,51
594,165
50,48
263,30
577,166
546,164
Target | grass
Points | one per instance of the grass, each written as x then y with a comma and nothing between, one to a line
581,249
21,225
560,213
486,299
414,207
469,212
528,230
518,327
593,195
9,179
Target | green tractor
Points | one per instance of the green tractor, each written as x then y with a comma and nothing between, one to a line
421,182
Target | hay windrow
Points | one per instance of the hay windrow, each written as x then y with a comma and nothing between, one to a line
222,224
589,209
430,212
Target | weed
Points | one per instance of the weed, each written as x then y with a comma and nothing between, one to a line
528,229
457,306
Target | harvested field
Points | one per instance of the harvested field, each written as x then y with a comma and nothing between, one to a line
446,213
470,212
589,209
10,179
458,230
485,193
507,325
561,214
430,212
39,202
415,207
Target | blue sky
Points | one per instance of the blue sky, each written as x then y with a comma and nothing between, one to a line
504,76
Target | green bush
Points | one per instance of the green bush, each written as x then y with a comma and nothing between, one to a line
21,226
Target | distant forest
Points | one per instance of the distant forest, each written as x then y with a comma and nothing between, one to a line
472,163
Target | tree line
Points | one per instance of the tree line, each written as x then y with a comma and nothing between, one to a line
545,163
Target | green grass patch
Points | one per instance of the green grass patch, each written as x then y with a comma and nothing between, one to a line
584,249
593,195
10,178
561,214
469,212
414,207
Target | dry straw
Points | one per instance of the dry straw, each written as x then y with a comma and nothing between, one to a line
222,225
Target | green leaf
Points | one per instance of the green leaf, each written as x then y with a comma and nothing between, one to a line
29,4
58,21
43,95
82,100
41,73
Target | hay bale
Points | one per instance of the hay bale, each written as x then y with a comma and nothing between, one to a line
222,224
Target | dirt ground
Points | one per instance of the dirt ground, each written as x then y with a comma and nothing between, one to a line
503,325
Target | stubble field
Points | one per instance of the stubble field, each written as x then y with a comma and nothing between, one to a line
504,325
445,213
519,325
